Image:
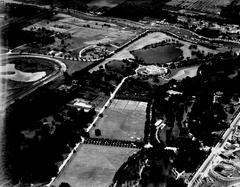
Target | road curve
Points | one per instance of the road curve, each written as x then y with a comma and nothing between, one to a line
60,67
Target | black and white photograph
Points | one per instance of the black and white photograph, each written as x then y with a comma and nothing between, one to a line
119,93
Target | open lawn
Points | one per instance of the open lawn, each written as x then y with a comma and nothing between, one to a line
94,166
124,120
84,32
73,66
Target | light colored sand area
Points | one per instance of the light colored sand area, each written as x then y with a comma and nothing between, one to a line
187,72
124,120
9,71
94,166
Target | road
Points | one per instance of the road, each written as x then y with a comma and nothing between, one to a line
204,169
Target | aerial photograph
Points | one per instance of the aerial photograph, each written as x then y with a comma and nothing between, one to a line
119,93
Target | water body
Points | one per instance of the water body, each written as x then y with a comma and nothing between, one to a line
159,55
149,39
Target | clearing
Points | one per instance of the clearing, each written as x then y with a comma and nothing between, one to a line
124,120
94,166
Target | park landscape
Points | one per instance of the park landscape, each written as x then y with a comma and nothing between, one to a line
123,120
95,165
79,33
92,147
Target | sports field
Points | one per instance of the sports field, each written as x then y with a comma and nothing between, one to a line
94,166
124,120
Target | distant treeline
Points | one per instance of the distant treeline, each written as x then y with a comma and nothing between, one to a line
232,12
138,9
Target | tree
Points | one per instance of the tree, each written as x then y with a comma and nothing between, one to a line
64,184
98,132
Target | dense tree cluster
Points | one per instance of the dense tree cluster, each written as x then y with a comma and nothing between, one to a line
38,145
231,12
21,10
137,9
211,33
148,167
18,16
135,89
196,111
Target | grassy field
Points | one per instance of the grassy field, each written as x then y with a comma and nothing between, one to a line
84,32
73,66
158,55
124,120
94,166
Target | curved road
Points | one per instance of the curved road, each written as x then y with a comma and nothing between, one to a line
24,92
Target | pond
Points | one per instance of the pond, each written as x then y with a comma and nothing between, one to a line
159,55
